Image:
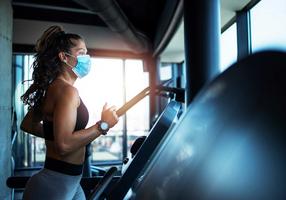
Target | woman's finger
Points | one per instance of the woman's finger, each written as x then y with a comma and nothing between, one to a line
104,107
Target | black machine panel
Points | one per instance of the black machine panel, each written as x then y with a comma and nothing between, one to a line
230,143
164,122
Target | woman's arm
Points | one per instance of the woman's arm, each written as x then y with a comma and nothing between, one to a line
32,124
64,118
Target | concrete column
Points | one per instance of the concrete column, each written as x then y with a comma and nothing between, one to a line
6,20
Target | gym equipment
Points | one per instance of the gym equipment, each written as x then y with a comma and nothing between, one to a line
103,183
231,142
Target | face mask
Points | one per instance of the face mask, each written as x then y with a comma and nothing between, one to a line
83,65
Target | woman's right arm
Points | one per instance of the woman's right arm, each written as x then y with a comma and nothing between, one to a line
32,124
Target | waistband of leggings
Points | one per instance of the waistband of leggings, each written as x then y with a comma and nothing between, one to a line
63,167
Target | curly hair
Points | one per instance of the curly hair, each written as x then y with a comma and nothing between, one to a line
47,64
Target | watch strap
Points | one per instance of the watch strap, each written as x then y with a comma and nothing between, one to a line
98,124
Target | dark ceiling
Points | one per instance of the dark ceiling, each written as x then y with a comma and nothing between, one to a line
143,14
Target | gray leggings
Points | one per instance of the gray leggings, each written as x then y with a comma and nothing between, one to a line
52,185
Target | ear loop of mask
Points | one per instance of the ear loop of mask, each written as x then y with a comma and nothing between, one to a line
65,61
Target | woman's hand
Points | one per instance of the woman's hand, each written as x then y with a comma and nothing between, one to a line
109,115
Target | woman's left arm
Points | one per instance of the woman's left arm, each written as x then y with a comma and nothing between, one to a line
32,124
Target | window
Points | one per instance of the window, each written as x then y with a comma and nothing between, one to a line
138,117
228,47
268,30
165,72
28,150
104,84
115,81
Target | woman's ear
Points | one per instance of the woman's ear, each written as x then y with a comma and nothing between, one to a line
62,57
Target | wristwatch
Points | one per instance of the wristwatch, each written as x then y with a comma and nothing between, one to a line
103,127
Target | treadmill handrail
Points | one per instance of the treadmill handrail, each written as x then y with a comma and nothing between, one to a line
122,110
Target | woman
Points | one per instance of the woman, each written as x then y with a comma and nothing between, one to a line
57,113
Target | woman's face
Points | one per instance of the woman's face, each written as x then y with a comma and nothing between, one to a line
79,49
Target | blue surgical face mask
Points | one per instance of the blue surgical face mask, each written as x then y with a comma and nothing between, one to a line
83,65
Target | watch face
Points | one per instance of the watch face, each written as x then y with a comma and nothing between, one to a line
104,126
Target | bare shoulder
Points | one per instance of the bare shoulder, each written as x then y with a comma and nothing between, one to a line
60,91
68,94
60,95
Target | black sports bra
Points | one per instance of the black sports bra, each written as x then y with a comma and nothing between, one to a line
81,122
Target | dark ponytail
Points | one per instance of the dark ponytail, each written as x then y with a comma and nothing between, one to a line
47,64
